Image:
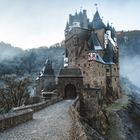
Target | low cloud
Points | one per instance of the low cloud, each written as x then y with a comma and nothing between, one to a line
130,68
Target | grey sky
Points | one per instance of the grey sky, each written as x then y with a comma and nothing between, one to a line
34,23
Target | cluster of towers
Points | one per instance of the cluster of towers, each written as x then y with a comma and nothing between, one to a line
92,47
91,62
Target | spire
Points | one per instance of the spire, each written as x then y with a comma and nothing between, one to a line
76,13
76,18
108,26
113,33
96,5
48,70
81,9
97,21
67,25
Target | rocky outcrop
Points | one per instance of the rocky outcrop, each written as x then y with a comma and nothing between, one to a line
124,114
130,118
80,129
116,121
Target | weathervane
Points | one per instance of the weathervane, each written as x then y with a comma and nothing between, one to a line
96,5
81,8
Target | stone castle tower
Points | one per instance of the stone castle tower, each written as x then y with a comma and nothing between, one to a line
92,48
46,80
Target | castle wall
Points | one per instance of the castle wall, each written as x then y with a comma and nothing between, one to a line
38,87
64,81
74,44
45,83
95,74
48,83
113,79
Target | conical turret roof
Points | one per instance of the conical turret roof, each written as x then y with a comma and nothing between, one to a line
67,26
97,22
47,69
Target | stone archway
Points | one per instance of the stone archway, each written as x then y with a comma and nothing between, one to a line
70,91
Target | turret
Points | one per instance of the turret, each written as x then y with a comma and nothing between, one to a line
67,28
85,19
97,22
48,70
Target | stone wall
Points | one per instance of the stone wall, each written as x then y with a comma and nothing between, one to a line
38,106
64,81
78,130
14,118
89,103
45,83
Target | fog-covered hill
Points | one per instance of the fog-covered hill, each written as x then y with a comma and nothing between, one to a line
129,44
8,52
16,61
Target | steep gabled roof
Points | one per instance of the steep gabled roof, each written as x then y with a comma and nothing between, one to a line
67,26
94,42
47,69
97,22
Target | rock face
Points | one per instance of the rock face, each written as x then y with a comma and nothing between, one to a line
117,121
130,118
124,122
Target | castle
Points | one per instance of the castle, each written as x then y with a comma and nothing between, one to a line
91,62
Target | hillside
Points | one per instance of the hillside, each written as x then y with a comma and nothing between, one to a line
7,51
16,61
129,43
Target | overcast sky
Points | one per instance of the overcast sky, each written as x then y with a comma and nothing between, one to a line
34,23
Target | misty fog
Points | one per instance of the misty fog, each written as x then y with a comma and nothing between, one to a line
130,68
8,52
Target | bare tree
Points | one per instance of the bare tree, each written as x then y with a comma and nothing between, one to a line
14,93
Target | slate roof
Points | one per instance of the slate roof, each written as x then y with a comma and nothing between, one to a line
99,58
47,69
97,22
94,42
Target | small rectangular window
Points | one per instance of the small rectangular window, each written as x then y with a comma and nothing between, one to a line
107,70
